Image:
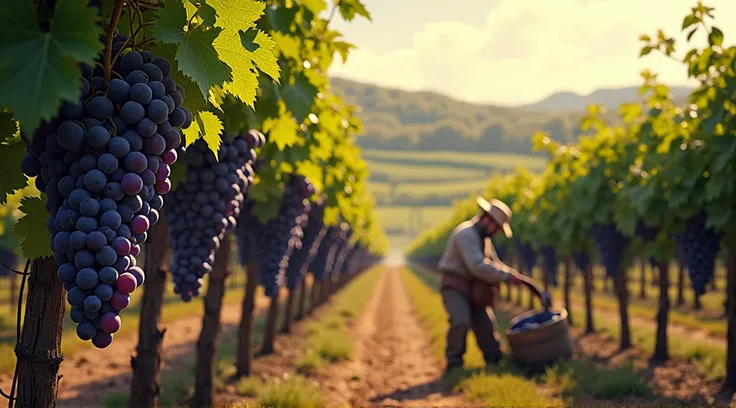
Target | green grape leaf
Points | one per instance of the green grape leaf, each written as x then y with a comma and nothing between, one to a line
39,69
282,131
262,48
236,15
196,55
344,48
234,50
315,6
11,178
312,171
8,126
299,97
178,171
350,8
207,125
281,18
32,229
193,99
198,58
169,26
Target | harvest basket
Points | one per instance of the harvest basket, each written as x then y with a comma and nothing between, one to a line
545,344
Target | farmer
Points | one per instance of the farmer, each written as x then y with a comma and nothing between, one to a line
471,274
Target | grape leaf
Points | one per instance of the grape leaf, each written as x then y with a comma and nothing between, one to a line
315,6
349,8
282,131
195,54
236,15
8,126
198,58
11,178
232,48
281,18
299,96
39,69
32,229
169,26
207,125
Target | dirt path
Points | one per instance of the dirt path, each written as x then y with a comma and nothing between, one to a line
393,363
93,373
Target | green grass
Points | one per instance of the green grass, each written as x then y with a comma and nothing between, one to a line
417,172
294,392
497,161
506,385
426,191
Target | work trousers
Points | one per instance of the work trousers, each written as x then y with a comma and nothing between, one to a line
463,316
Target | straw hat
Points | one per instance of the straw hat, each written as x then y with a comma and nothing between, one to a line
499,211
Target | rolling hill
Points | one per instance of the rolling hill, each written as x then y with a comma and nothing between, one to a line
403,120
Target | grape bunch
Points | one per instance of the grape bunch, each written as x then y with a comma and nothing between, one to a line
646,232
699,245
207,205
321,264
103,163
581,259
549,257
301,259
610,244
277,236
536,321
527,254
244,231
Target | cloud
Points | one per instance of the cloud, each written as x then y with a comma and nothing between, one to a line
528,49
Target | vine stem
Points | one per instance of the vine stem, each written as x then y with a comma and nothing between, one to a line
116,12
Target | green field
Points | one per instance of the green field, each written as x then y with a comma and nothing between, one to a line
455,160
415,190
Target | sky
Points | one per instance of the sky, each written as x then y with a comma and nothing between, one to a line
513,52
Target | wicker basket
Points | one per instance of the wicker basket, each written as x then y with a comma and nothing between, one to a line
548,343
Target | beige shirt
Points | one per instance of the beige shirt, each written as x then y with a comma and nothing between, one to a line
464,257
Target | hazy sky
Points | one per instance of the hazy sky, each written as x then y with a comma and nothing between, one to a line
515,51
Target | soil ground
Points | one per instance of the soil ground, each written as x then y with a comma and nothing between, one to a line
392,362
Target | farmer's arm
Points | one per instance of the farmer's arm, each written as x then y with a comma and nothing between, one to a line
485,269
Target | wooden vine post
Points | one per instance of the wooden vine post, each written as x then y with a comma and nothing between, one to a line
661,350
39,348
204,371
244,353
269,332
145,385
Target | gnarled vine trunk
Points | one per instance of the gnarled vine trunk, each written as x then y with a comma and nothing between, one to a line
244,353
289,312
588,291
661,351
39,350
204,372
566,289
729,384
146,364
642,278
302,302
269,332
622,293
680,282
316,289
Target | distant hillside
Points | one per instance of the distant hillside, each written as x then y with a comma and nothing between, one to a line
403,120
610,98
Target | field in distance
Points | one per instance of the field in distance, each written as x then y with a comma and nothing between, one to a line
415,190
